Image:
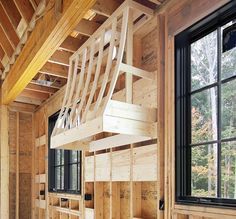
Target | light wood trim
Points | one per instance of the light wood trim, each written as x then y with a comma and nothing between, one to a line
138,72
4,213
55,31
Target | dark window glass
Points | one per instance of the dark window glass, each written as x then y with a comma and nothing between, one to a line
64,167
206,110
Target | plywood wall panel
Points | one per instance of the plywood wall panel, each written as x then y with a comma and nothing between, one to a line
149,51
121,165
25,164
89,169
21,138
103,167
124,200
149,200
145,163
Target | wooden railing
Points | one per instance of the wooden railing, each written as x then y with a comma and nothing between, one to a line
100,59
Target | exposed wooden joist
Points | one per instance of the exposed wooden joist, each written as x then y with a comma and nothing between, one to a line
157,2
60,57
5,43
1,53
54,70
1,66
87,27
42,89
22,107
28,100
34,4
25,8
105,7
34,95
11,11
8,27
46,38
72,44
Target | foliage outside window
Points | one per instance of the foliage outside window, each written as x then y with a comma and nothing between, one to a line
64,167
206,111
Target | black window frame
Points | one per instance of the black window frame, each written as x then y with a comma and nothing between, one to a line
67,164
183,42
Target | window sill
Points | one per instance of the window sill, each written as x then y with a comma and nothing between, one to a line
204,210
75,196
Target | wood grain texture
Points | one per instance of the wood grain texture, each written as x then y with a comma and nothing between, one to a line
47,36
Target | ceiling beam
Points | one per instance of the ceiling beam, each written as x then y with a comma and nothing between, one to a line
45,39
42,89
12,11
25,8
87,27
53,69
8,27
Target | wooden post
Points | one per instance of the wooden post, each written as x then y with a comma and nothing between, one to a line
129,59
4,163
17,164
129,94
161,111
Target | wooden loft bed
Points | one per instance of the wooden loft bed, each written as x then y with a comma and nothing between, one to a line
89,118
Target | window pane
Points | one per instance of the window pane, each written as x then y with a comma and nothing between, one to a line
57,157
228,58
73,156
204,171
228,170
73,177
78,177
204,61
204,116
228,109
62,157
57,178
62,177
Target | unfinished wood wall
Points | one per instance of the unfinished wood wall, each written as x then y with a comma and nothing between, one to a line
20,162
124,182
110,175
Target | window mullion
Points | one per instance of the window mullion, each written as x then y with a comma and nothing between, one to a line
219,112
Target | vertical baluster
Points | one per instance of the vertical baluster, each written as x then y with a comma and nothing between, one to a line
119,58
90,68
64,102
72,97
108,66
78,89
97,73
72,88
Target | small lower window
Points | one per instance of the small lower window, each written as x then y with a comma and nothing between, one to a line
64,166
206,110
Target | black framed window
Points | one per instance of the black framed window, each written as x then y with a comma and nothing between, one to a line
205,58
64,166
